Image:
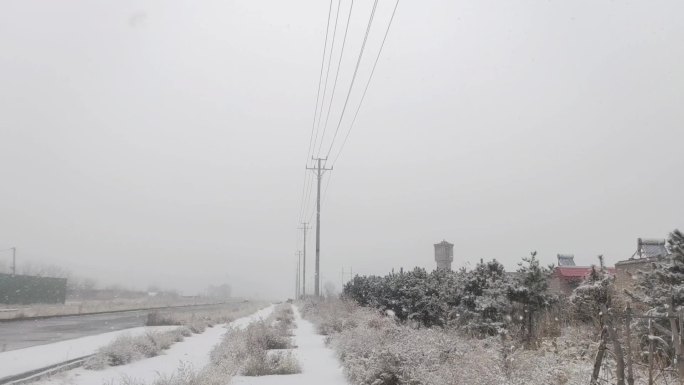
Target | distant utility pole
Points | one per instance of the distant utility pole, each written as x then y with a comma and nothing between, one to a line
305,227
14,261
342,276
319,170
298,277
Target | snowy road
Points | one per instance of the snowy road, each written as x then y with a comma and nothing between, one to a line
319,364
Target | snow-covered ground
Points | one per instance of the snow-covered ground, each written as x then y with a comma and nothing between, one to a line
36,357
319,364
193,352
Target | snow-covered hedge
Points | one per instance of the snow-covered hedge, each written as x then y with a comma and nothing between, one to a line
482,301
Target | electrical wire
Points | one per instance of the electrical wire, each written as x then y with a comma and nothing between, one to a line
356,114
327,77
313,125
356,70
337,74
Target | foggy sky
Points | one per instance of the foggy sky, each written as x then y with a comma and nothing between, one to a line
163,142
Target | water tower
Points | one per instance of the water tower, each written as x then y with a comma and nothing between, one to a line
444,255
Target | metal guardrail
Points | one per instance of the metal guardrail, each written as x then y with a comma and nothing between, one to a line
37,374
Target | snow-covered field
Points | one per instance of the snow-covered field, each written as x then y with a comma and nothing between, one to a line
193,352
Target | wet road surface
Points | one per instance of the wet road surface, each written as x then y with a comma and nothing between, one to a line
22,334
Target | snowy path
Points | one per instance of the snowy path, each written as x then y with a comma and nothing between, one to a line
192,352
319,364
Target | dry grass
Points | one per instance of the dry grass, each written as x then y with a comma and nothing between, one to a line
376,350
260,348
126,348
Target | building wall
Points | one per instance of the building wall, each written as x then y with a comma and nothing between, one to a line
26,289
563,285
627,272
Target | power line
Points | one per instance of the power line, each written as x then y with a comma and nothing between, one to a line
318,94
312,150
356,70
337,74
356,114
320,81
327,76
363,96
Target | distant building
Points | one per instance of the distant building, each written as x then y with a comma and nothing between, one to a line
444,255
27,289
648,251
567,276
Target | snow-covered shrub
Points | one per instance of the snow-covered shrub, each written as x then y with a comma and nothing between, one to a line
121,351
157,318
247,350
587,298
381,351
264,364
476,300
126,349
284,320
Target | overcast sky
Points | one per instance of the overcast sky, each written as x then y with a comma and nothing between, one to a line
164,142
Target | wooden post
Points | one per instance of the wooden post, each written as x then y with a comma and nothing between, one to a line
617,349
650,352
599,356
680,316
676,342
628,336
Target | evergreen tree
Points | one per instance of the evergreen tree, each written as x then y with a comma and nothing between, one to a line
531,290
663,285
484,303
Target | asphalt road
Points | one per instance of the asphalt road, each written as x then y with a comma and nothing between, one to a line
22,334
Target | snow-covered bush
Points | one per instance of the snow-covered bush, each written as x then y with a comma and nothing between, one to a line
596,290
247,350
476,300
378,350
126,348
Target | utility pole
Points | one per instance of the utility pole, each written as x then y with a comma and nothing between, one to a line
342,276
299,267
305,227
319,170
14,261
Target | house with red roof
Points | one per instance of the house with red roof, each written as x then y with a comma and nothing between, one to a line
567,276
